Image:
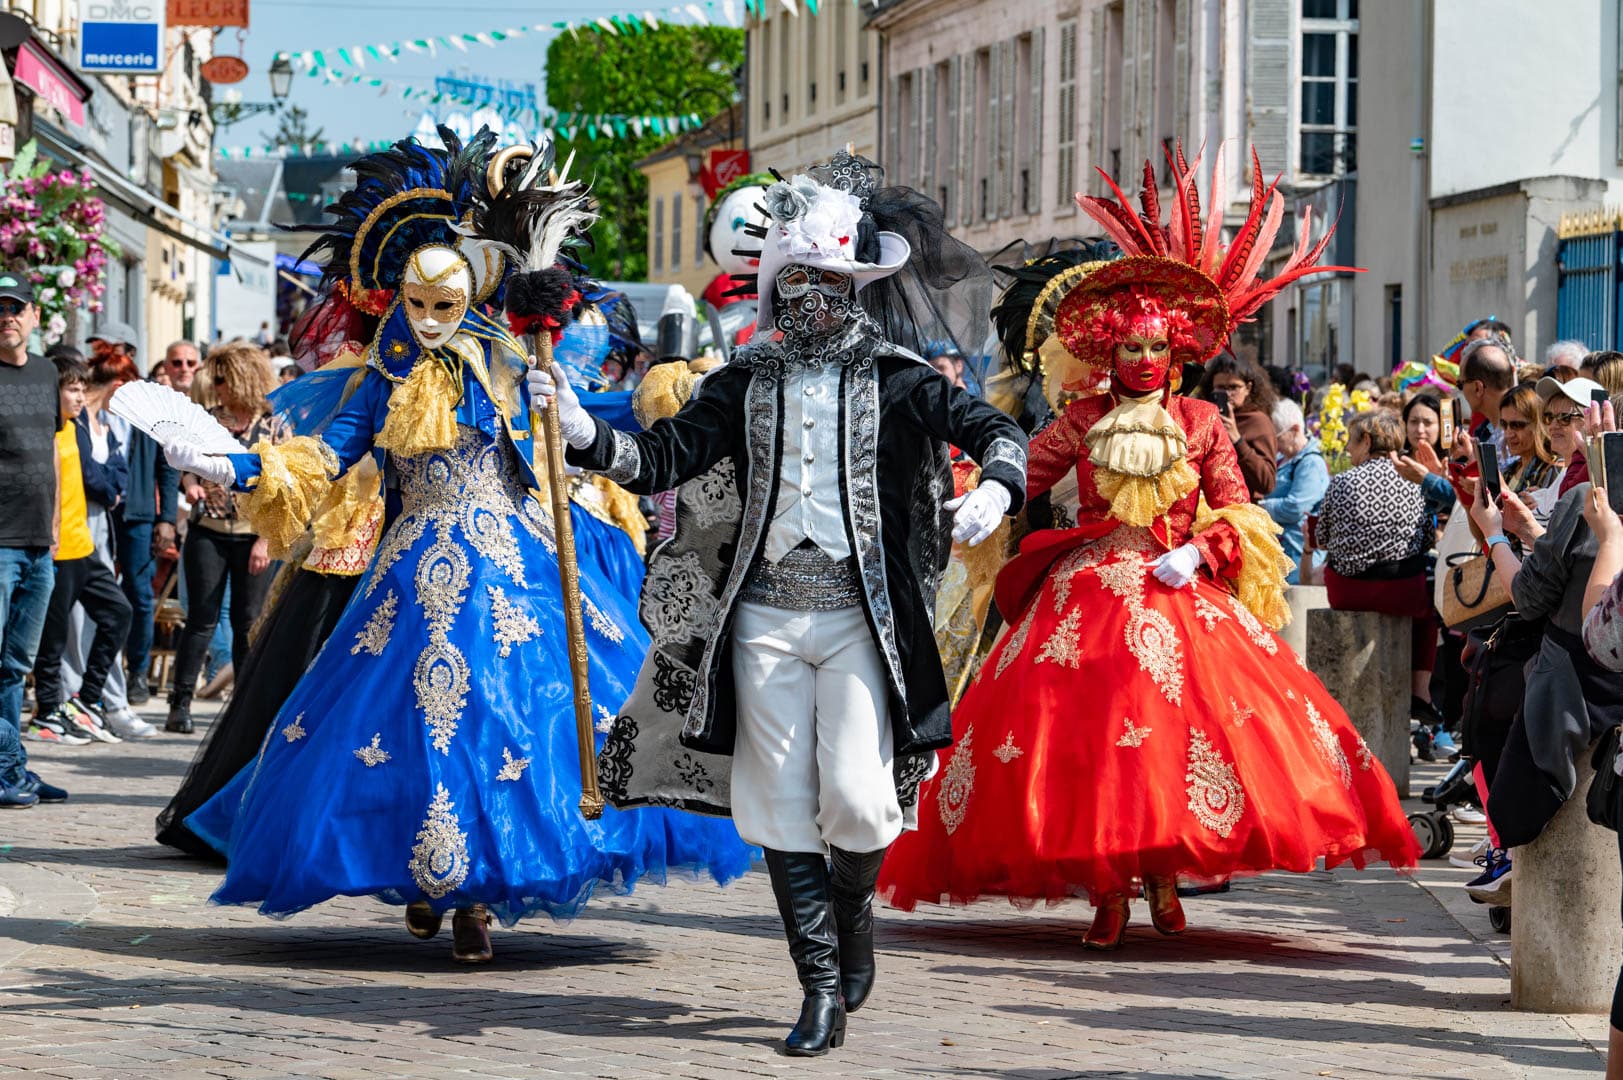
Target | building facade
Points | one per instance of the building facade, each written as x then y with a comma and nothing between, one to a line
677,202
812,83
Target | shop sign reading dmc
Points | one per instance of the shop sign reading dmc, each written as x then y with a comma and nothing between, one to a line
121,35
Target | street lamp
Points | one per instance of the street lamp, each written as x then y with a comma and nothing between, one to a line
281,78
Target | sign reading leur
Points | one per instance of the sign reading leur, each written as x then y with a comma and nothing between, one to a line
121,36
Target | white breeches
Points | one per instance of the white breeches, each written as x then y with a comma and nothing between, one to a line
812,760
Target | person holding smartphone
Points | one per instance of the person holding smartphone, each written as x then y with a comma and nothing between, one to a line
1245,400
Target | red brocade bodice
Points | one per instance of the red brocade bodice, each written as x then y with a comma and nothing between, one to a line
1061,446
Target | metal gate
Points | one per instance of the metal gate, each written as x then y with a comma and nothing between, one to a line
1588,252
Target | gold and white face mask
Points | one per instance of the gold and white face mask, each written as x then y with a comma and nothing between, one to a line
435,293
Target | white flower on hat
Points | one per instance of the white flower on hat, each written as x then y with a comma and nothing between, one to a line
828,225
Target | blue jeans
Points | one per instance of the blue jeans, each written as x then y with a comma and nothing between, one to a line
135,556
27,576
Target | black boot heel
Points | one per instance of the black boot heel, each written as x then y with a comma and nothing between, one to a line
801,886
820,1027
851,888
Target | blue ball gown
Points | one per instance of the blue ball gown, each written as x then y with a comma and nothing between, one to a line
430,751
608,551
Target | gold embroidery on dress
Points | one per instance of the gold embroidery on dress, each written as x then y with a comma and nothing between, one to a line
1240,713
295,731
1290,693
605,719
604,625
373,754
1014,643
1329,745
1062,646
957,784
1208,612
374,636
512,767
1006,751
1254,629
1366,756
1215,796
1151,637
1134,735
472,488
439,859
514,625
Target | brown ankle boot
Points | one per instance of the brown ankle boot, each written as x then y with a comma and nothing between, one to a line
470,935
1165,910
422,920
1109,924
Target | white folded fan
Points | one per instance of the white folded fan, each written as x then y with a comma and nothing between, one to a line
171,418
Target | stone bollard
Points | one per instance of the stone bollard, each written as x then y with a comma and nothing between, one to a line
1362,657
1565,938
1302,599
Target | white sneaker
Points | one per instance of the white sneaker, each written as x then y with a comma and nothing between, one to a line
127,725
1468,860
1466,814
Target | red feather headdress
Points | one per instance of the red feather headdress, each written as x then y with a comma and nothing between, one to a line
1184,263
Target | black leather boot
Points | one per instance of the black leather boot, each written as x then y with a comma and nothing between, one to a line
179,721
851,887
801,884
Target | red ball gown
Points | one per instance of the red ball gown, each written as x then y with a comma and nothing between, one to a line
1123,729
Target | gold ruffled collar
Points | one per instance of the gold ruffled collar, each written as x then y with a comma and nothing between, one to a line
1139,455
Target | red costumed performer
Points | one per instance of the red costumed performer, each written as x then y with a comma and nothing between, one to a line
1139,725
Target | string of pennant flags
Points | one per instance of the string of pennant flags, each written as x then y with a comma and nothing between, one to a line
706,13
568,126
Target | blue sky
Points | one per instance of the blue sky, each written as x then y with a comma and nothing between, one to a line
353,112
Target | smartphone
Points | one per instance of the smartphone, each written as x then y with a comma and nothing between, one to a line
1446,434
1488,458
1220,398
1599,395
1606,466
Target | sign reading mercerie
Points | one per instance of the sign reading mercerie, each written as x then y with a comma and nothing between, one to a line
121,36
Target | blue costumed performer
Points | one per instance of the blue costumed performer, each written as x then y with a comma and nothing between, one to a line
429,756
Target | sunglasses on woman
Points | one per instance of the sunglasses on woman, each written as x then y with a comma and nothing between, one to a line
1563,418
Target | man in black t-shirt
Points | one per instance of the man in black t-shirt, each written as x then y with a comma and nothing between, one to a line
29,418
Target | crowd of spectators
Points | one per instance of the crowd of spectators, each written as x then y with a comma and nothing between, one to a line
95,518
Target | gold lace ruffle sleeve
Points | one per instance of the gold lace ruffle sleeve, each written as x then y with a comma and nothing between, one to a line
1263,563
294,478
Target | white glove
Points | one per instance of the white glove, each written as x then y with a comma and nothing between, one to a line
216,468
976,513
574,422
1177,567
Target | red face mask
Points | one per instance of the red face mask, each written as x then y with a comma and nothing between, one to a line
1143,355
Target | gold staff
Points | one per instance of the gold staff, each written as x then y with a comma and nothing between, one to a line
563,530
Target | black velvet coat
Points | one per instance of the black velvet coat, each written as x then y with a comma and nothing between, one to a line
896,414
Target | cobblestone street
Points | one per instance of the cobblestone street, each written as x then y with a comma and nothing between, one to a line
112,964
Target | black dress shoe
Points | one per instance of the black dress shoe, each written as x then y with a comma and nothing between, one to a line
800,882
851,887
180,720
135,690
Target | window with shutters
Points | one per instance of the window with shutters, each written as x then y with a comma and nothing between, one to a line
981,157
659,235
842,49
1166,82
1327,127
1114,57
1028,122
865,40
761,87
943,144
812,33
698,230
1069,121
676,231
784,34
906,128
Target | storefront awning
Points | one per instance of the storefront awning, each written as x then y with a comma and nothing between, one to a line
143,205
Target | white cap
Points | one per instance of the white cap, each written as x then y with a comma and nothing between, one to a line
1580,390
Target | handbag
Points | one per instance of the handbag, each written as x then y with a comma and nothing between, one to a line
1473,595
1606,790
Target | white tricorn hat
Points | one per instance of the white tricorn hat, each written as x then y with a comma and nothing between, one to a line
812,224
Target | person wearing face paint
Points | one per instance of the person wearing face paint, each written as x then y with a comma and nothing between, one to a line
429,755
797,640
1139,656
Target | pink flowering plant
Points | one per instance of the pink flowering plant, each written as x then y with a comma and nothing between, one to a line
51,230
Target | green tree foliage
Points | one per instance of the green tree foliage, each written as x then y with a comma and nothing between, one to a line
293,129
669,71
